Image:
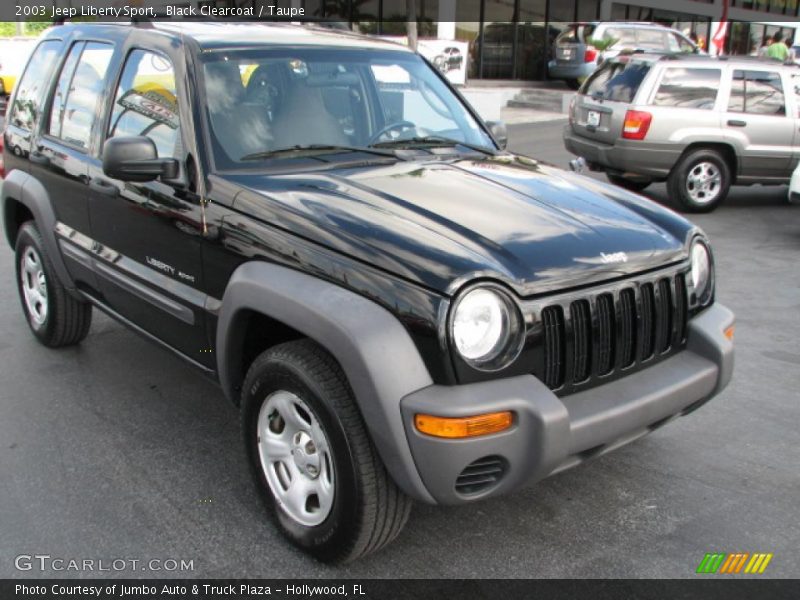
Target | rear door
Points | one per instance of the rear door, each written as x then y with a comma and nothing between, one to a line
756,121
60,154
684,104
601,105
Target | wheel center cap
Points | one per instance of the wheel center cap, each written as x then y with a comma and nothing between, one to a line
305,454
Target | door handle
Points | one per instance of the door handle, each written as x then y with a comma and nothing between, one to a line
101,186
737,123
38,158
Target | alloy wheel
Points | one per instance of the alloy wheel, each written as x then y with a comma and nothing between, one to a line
704,183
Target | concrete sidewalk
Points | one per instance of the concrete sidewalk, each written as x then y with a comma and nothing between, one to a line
517,116
519,102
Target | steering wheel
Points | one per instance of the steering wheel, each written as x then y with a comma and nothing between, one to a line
264,87
399,126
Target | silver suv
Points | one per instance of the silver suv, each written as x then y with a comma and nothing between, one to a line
700,123
575,56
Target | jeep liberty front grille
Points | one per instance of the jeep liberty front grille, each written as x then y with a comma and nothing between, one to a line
589,337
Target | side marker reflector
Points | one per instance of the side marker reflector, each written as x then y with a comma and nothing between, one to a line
464,427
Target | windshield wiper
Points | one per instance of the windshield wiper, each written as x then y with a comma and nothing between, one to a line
304,148
432,140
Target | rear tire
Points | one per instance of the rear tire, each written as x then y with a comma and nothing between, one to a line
700,181
333,498
628,184
55,317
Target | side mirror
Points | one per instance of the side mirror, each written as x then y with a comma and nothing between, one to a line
499,133
135,158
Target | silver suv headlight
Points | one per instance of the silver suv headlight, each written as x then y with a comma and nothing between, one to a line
702,272
487,329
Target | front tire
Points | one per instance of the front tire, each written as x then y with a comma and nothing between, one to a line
700,181
312,459
54,316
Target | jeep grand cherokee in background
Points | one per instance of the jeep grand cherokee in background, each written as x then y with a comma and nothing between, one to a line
400,309
700,123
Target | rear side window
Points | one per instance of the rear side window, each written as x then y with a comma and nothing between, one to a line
33,86
688,88
575,34
146,103
81,89
651,39
625,36
757,93
617,81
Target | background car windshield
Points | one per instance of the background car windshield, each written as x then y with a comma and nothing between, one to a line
264,100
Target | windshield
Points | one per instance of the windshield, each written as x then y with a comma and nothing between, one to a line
264,101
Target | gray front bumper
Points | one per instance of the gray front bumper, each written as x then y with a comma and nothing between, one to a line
551,433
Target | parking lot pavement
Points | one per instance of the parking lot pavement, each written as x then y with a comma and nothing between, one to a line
116,449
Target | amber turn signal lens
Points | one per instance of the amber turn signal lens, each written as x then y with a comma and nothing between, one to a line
729,333
464,427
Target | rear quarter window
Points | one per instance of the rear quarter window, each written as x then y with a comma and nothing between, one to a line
688,88
616,81
33,86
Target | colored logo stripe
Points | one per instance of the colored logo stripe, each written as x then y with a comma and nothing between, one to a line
758,564
718,562
734,563
710,563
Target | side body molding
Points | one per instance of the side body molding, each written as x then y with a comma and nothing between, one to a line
373,348
27,190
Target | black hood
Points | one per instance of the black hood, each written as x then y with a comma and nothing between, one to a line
536,228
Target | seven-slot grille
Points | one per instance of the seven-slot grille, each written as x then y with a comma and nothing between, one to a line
591,336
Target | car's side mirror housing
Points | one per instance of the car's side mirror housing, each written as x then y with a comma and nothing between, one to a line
135,158
499,133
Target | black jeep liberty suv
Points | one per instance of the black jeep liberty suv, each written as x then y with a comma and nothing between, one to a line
316,220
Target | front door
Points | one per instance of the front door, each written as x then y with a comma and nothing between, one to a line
151,232
757,121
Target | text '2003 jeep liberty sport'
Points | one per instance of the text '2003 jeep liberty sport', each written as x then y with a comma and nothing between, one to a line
401,309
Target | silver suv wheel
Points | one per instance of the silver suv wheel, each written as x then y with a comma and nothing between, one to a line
703,183
296,458
34,286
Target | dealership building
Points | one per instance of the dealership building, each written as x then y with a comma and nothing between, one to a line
513,39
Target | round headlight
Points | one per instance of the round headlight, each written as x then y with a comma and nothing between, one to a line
486,329
701,271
